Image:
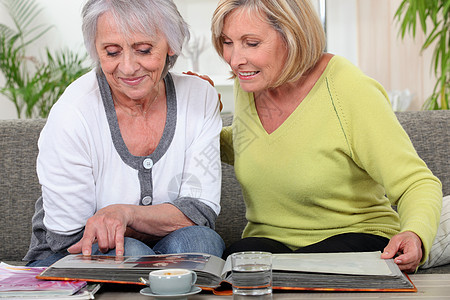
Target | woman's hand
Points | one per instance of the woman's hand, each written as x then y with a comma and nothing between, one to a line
408,246
204,77
111,224
107,227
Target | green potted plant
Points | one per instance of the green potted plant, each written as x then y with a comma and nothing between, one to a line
433,15
33,84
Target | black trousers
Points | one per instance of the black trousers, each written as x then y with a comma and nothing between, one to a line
346,242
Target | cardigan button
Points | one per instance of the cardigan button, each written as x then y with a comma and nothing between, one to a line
147,163
147,200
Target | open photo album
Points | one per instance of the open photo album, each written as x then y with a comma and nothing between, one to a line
360,271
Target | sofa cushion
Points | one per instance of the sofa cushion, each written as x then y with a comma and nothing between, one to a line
19,185
429,132
231,220
440,250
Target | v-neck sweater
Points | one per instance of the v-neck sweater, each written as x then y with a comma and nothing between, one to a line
336,165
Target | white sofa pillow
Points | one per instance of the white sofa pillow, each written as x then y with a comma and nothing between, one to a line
440,250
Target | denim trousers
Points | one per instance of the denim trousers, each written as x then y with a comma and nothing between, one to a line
198,239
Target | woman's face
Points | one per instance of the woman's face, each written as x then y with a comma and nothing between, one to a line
132,64
255,51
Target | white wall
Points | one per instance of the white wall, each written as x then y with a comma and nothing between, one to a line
342,29
198,14
65,15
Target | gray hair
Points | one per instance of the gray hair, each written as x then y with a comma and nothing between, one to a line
144,16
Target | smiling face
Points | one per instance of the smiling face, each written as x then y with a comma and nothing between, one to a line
132,64
255,51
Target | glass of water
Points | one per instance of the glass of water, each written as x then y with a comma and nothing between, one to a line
252,273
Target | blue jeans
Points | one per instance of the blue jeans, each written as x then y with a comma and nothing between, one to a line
198,239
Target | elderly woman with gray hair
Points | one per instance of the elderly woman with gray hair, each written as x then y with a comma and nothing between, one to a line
129,157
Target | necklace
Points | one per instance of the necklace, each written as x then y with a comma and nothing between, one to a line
144,112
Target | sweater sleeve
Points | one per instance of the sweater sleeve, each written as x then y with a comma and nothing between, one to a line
226,135
43,240
226,145
64,169
381,147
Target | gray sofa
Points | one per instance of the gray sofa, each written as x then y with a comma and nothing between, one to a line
19,187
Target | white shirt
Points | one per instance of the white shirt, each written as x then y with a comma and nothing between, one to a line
83,164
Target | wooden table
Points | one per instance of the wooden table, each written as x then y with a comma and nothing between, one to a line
429,286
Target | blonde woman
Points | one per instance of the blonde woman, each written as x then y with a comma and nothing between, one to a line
316,147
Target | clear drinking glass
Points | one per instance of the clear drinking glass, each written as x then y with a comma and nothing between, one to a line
252,274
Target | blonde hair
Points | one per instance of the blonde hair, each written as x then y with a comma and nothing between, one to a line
296,21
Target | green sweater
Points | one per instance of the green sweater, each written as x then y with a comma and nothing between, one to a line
334,166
